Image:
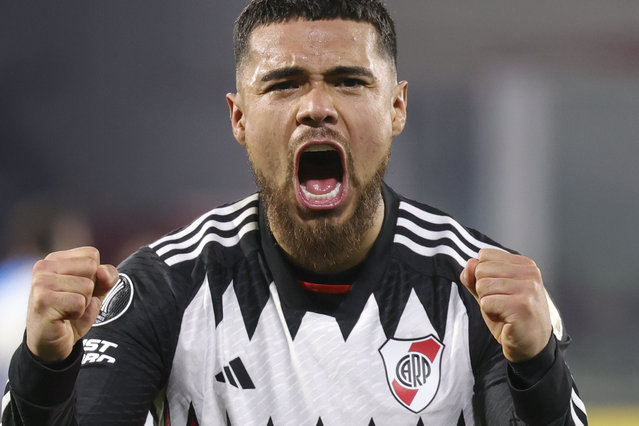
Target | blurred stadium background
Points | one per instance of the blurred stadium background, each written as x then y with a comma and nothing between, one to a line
523,122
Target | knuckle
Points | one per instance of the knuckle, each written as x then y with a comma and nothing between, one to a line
38,300
487,304
483,253
93,253
531,265
72,306
93,263
41,279
480,270
531,262
86,286
77,303
480,287
51,255
40,265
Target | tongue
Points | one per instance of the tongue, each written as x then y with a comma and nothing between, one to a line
320,186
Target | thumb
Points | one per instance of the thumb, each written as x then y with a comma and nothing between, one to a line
467,276
106,277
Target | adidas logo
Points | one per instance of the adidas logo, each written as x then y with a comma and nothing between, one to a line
236,375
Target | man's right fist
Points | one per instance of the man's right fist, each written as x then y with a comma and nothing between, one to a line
66,293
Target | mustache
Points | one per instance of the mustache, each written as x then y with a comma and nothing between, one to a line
319,133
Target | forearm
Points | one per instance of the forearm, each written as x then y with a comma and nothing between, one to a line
39,394
543,389
536,392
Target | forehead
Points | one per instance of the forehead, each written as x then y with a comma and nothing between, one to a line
312,44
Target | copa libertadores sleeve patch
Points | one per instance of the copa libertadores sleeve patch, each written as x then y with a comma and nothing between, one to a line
116,302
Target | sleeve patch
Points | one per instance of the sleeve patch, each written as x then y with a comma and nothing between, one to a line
116,302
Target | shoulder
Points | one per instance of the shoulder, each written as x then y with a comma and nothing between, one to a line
169,271
223,226
429,232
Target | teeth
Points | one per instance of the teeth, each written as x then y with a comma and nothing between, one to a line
322,197
319,148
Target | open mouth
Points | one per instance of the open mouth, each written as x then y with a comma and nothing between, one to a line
321,180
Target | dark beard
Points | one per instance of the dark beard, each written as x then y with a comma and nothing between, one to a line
319,243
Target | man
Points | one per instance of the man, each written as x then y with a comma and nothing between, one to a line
325,299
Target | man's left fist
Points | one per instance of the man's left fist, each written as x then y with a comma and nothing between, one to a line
512,299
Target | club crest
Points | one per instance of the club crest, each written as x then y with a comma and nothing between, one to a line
413,369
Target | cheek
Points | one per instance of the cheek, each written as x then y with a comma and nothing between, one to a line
368,154
267,154
374,132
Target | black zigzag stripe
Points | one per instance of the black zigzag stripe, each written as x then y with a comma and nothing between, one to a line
192,418
420,422
251,290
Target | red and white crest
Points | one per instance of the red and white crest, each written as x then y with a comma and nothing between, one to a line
413,369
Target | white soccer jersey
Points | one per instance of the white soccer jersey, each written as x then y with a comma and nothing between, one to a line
211,326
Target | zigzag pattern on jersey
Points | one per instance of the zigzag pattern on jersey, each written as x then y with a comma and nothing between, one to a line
320,423
391,296
428,232
190,421
224,225
460,422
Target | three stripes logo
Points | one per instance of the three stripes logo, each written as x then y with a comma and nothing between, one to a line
235,374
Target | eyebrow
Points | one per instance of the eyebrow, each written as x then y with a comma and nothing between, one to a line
350,70
283,73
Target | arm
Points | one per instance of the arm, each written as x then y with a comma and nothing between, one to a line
526,370
114,378
539,391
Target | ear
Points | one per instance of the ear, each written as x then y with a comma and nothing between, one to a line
237,116
398,114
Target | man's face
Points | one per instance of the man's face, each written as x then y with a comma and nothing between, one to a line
317,107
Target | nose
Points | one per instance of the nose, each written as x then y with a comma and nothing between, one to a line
317,106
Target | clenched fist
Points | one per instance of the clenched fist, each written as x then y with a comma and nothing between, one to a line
66,294
513,301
